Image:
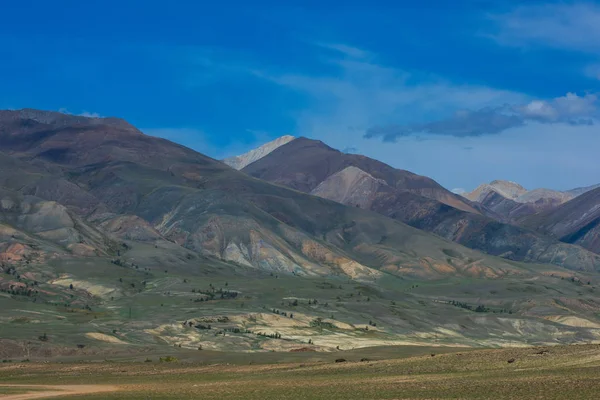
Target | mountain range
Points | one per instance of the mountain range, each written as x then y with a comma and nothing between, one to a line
109,236
311,166
144,188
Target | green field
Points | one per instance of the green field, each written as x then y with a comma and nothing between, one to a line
203,304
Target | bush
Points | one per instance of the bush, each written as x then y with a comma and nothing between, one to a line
319,323
168,359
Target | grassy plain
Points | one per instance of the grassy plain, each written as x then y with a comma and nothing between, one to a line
555,372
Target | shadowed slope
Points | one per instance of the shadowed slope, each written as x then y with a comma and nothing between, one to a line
576,221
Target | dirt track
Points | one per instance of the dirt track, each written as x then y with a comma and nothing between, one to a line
45,391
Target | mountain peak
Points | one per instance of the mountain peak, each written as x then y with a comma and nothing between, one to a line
507,189
241,161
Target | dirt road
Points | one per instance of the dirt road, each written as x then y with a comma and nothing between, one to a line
46,391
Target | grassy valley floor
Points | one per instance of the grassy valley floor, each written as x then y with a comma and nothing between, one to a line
556,372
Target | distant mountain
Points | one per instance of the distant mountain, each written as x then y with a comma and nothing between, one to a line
535,195
510,211
576,221
507,189
581,190
510,201
514,191
239,162
311,166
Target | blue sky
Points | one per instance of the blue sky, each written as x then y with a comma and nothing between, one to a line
464,92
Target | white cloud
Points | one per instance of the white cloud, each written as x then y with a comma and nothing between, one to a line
569,108
90,114
86,114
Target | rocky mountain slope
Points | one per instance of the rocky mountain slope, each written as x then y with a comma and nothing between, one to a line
576,221
359,181
239,162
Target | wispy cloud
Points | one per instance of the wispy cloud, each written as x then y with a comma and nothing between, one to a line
81,114
348,51
90,114
564,25
571,109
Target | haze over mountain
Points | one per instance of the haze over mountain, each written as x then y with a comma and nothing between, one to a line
313,167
